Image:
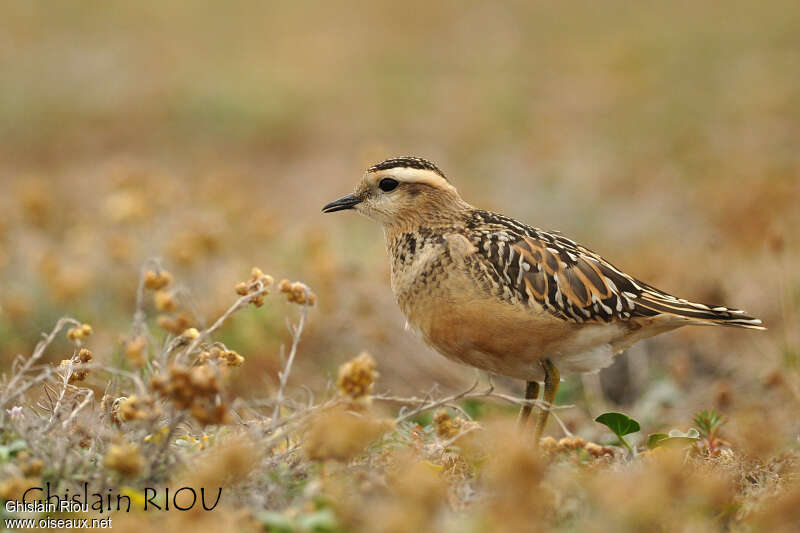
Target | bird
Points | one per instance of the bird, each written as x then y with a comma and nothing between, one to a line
494,293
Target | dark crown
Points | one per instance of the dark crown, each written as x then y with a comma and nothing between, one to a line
406,162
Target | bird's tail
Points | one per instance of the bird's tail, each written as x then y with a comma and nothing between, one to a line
697,313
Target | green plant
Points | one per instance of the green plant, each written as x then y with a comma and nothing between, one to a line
675,438
621,425
710,423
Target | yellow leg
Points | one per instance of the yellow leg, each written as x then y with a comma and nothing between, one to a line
551,381
531,393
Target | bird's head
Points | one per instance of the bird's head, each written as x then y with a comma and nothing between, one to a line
402,191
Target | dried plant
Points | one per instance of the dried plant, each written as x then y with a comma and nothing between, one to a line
345,460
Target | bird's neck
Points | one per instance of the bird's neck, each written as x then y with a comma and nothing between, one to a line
438,218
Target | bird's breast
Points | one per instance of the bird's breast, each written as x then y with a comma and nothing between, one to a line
466,320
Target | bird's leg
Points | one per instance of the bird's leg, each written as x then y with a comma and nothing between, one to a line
531,393
551,381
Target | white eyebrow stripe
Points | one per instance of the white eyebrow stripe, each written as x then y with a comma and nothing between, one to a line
415,175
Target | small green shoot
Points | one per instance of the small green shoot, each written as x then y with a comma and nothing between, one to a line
710,423
673,439
621,425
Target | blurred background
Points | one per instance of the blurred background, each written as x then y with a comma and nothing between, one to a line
662,135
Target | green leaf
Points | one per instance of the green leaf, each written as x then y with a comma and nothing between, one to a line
709,422
9,450
322,521
691,434
275,522
673,439
654,440
619,423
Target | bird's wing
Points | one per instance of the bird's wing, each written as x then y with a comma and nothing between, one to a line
572,282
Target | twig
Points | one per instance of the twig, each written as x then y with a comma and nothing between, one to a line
238,304
38,379
66,374
470,429
428,404
41,346
283,375
140,387
84,403
139,314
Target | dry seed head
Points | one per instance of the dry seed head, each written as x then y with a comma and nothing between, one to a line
157,280
257,275
79,332
258,283
137,408
340,434
195,390
32,467
357,376
224,357
165,301
420,485
174,325
225,464
232,358
214,414
77,373
446,426
548,445
297,292
514,480
124,459
596,450
84,355
190,334
568,443
203,380
134,351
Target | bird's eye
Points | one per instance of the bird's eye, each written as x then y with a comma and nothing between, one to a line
388,184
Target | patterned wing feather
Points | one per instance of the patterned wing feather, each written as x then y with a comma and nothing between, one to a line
574,283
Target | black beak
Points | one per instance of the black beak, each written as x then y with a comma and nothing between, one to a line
345,202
